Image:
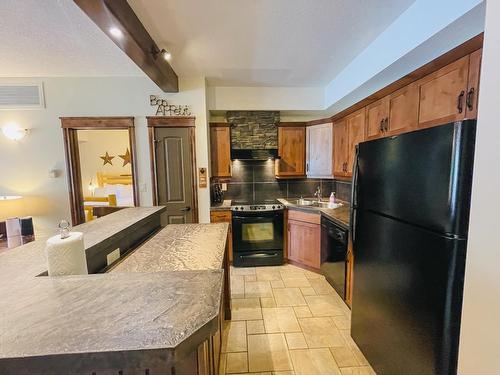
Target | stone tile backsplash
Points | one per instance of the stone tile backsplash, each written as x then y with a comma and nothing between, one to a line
253,129
254,180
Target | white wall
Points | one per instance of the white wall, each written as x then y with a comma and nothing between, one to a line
265,98
24,166
480,332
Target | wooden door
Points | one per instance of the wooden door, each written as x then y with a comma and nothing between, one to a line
403,110
473,83
292,151
319,151
174,173
442,94
356,134
376,116
220,151
304,243
340,141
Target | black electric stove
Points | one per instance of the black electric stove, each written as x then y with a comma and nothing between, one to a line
257,233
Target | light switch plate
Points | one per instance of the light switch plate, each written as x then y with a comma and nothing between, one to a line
113,256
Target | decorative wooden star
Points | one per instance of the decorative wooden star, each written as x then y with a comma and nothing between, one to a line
107,159
126,158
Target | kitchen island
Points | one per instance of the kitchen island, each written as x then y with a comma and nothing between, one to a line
157,311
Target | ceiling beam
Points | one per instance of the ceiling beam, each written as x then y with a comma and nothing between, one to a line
134,39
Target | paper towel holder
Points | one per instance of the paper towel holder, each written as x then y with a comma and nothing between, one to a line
64,228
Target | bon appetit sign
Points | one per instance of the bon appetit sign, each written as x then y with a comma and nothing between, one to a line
165,109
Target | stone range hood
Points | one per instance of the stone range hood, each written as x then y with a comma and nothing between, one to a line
254,134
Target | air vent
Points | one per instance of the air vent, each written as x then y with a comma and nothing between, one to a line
21,96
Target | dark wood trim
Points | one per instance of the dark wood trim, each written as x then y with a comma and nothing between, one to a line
133,159
152,158
291,124
192,137
220,125
152,154
455,54
70,127
97,122
171,121
135,41
74,176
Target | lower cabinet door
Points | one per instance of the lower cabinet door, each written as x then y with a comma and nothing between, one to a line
304,243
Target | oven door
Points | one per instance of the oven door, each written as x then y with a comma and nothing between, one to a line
257,231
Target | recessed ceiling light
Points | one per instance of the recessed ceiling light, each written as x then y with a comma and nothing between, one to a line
166,55
116,32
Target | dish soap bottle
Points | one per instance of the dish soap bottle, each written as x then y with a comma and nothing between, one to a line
332,200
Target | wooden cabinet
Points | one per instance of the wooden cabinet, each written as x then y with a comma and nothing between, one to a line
224,216
340,155
473,83
220,149
303,238
347,133
356,133
442,94
319,151
403,110
376,115
394,114
291,151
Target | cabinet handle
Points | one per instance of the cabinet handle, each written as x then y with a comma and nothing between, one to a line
381,127
307,167
460,105
386,124
470,98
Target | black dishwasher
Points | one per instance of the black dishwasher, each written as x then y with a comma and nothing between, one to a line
334,254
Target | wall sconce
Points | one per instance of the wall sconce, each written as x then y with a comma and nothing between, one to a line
9,197
14,132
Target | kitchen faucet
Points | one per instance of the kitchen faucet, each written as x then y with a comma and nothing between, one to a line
318,193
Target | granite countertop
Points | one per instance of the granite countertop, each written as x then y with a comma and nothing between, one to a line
340,216
224,206
135,314
179,247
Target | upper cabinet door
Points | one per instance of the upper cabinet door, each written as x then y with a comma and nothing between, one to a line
377,115
220,151
473,85
443,94
340,140
356,132
319,151
292,151
403,110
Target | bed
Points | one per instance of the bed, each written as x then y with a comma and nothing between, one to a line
112,190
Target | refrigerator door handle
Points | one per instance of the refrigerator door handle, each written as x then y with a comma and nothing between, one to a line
354,196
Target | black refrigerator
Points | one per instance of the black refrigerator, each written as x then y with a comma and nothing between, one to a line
410,217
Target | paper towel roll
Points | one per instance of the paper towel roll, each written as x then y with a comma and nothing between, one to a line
66,256
13,227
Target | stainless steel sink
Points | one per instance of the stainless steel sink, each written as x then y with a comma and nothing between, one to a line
312,202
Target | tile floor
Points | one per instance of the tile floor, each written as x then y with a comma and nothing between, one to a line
288,321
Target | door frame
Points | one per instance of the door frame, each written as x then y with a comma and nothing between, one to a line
70,127
173,122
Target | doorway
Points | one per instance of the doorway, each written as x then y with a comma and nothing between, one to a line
173,166
100,155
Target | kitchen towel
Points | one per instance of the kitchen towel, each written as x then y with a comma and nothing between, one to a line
66,256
